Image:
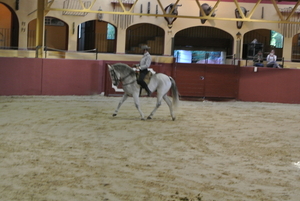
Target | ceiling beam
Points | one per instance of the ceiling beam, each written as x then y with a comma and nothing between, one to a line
293,11
244,18
253,9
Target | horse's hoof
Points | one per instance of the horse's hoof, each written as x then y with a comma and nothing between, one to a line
143,119
114,115
149,117
173,118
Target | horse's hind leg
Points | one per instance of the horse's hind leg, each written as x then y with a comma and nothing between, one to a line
168,101
120,103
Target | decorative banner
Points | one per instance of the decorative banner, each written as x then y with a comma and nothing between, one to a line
123,1
289,30
148,8
122,21
75,4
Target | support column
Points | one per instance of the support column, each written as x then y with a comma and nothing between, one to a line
238,47
121,38
168,42
287,49
40,27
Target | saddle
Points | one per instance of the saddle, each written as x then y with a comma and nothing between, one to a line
147,77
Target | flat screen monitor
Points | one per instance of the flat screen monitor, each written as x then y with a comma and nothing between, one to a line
200,56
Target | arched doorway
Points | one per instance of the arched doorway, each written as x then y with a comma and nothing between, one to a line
262,39
203,44
56,34
97,36
296,48
9,28
144,34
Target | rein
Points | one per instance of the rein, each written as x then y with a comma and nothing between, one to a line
122,79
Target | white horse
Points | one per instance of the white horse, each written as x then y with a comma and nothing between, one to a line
159,82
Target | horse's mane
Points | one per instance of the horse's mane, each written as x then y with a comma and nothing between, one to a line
120,67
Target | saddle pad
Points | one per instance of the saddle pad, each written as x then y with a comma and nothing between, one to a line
147,77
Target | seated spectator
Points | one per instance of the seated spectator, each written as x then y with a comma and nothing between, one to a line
258,59
271,60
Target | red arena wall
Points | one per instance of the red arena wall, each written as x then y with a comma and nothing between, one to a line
72,77
20,76
269,85
30,76
23,76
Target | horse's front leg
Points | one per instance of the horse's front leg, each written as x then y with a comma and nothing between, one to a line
158,104
120,103
137,104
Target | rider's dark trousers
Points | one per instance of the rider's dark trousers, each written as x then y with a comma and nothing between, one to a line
141,81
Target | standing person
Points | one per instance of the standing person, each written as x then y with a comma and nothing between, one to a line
271,60
258,59
143,66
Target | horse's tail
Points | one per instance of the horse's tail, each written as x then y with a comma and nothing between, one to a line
175,94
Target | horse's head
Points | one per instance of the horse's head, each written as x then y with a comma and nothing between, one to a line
175,11
207,10
239,24
168,10
114,76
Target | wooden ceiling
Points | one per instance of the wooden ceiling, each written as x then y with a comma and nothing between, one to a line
162,13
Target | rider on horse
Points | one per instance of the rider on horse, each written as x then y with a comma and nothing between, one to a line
143,66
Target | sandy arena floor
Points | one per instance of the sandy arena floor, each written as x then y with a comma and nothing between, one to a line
71,148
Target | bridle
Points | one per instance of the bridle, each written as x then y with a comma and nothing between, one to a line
115,77
121,79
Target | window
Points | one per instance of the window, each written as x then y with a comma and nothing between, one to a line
276,39
110,32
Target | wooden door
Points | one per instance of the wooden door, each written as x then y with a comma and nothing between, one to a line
190,79
207,80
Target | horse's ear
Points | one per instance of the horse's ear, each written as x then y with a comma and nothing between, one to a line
109,66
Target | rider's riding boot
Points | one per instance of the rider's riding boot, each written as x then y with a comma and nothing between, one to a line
148,90
145,86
